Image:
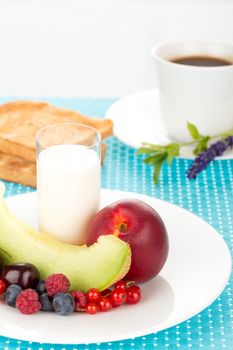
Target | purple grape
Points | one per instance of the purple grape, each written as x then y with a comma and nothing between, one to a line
23,274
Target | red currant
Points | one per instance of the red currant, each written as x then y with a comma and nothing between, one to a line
105,304
134,295
118,297
121,285
3,286
91,308
93,295
106,293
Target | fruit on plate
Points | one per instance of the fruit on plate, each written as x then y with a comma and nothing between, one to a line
23,274
140,225
11,294
53,294
63,304
98,266
3,286
27,302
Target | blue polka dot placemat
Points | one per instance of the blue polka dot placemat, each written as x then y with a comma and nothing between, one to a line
210,197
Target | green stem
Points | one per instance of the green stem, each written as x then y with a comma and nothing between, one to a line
199,139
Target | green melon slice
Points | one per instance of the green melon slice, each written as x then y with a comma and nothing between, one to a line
98,266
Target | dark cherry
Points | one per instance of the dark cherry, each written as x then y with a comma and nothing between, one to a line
24,274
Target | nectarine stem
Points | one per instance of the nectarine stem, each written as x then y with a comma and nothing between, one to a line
123,227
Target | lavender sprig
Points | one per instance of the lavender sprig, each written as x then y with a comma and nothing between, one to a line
156,155
203,159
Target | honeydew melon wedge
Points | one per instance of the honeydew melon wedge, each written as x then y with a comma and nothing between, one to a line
98,266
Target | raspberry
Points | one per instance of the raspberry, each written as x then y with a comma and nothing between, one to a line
57,283
80,300
27,302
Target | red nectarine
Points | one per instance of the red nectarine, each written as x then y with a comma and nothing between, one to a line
140,225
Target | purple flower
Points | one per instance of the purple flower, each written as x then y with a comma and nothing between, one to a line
229,141
202,160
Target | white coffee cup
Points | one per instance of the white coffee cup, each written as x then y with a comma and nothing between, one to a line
199,95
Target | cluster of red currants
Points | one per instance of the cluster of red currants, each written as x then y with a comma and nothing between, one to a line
94,300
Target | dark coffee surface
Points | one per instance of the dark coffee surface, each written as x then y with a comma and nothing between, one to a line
202,61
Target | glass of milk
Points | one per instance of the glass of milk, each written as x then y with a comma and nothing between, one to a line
68,180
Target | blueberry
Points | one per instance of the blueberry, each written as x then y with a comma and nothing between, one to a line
11,294
46,302
40,288
63,304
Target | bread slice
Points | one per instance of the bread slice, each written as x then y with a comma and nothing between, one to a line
21,120
22,171
16,169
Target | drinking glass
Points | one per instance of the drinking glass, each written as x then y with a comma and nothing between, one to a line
68,180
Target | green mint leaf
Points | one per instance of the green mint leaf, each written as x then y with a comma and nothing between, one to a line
149,160
148,148
158,167
173,150
202,145
170,159
194,133
152,160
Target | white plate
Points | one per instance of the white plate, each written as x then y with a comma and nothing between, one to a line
196,272
137,119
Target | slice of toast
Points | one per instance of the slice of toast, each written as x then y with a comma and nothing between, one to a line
16,169
22,171
21,120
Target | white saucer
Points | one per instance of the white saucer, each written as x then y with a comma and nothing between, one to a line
137,119
196,272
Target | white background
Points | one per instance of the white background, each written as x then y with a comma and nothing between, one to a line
96,47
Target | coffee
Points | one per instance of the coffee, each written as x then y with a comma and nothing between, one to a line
195,92
202,61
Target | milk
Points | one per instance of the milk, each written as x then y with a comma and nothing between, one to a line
68,186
